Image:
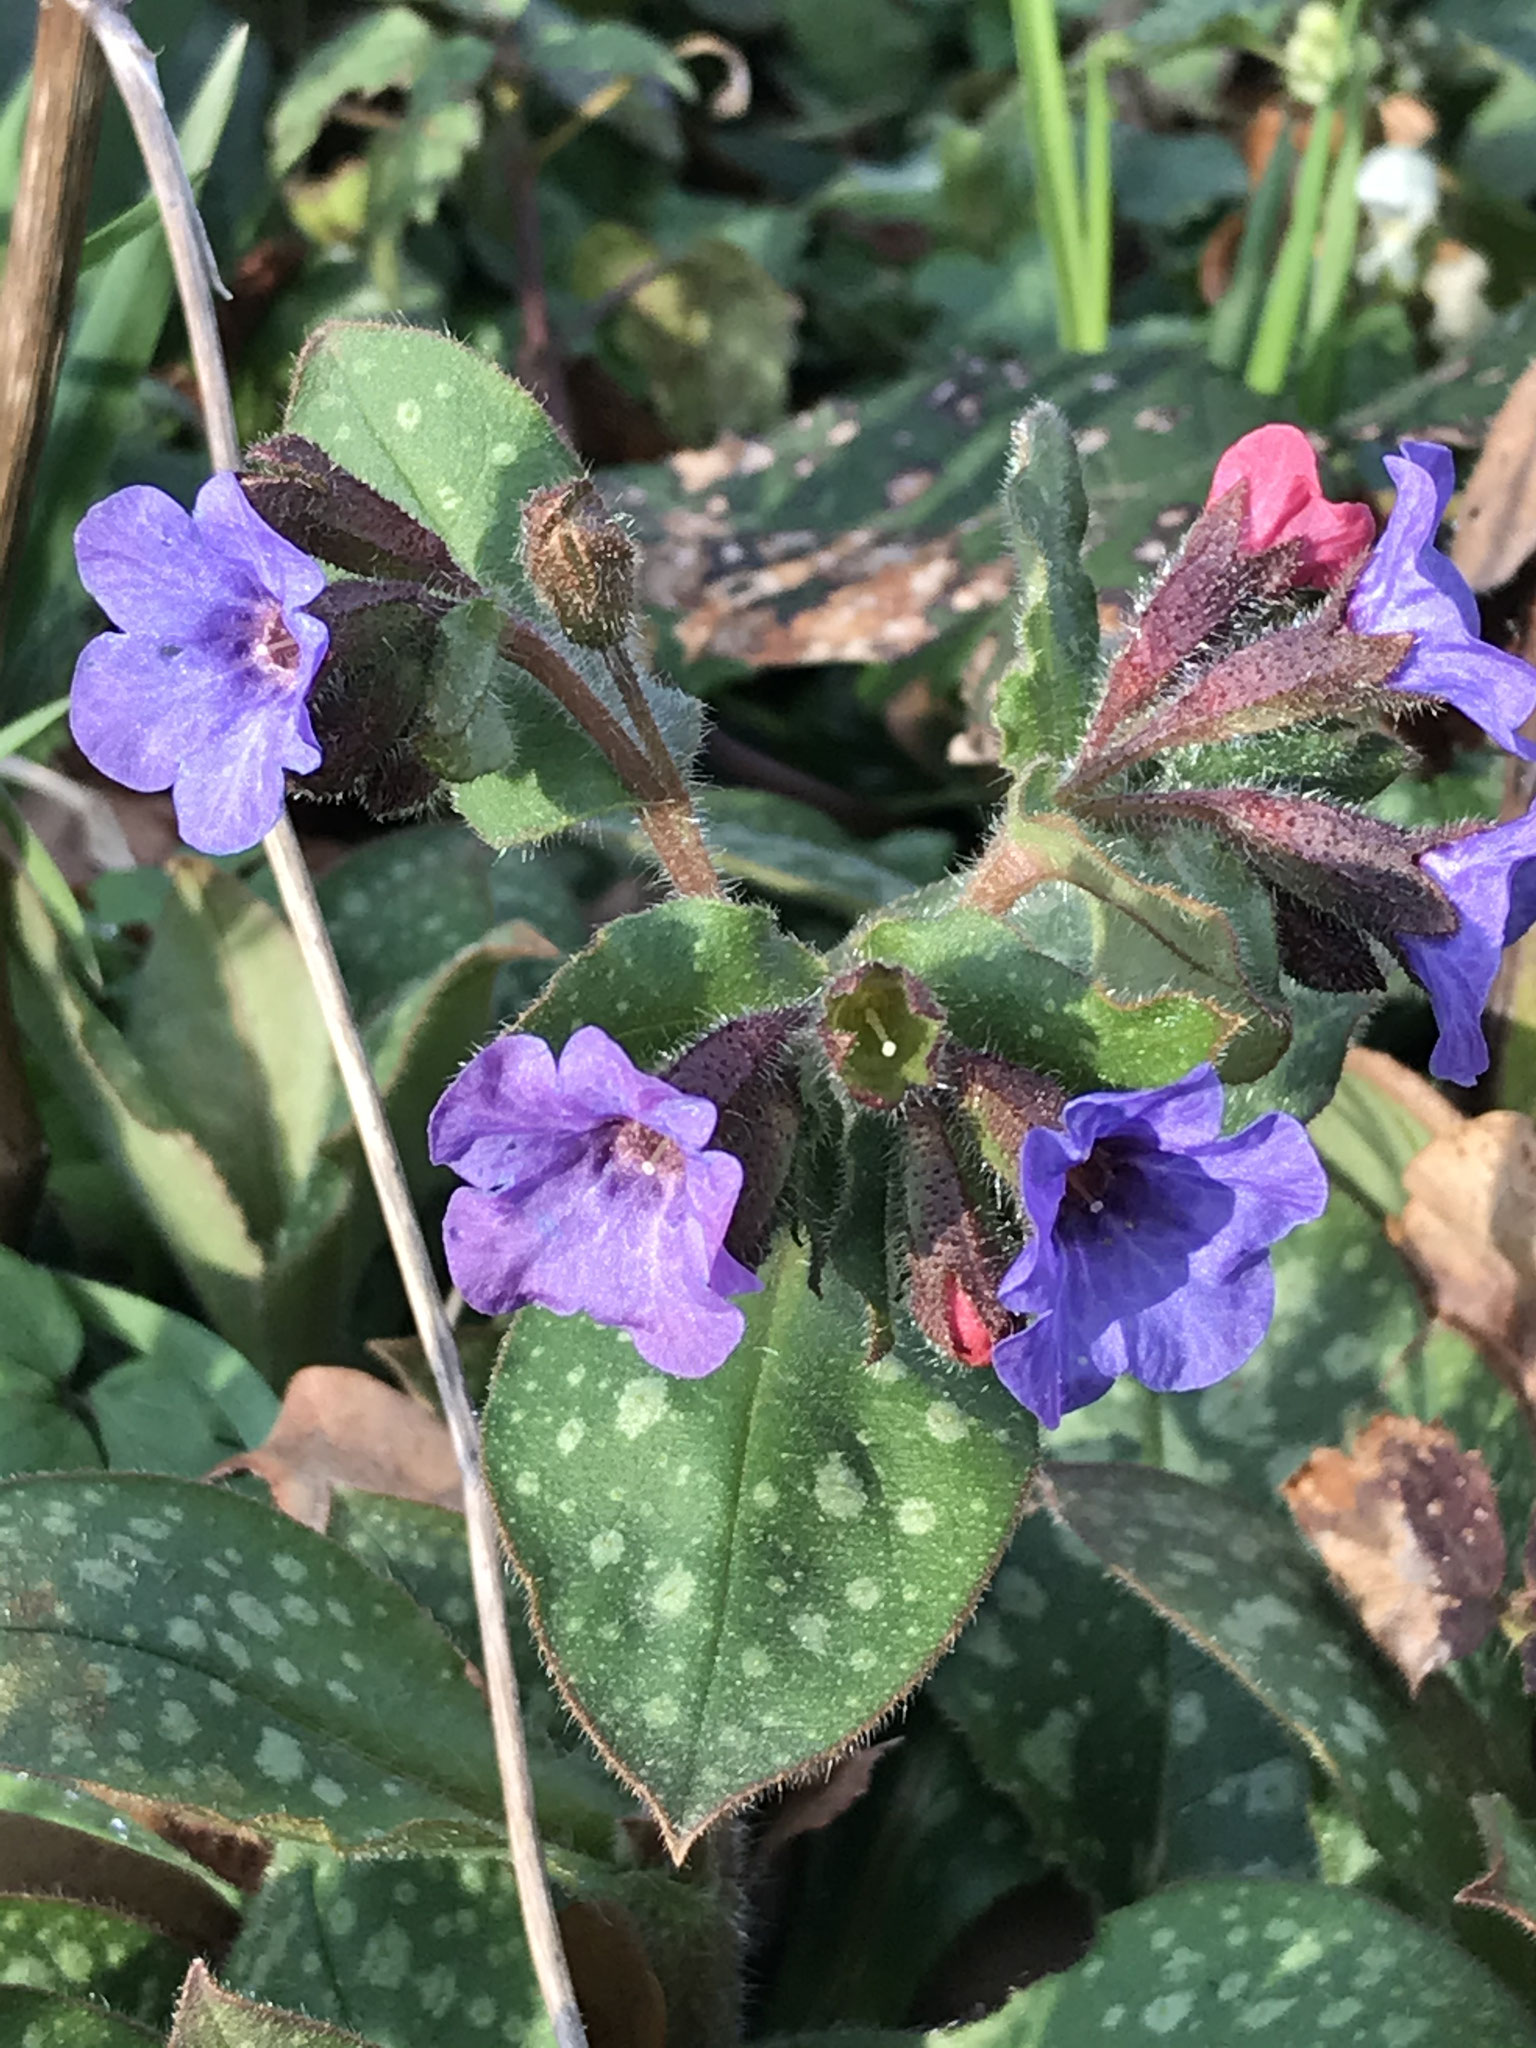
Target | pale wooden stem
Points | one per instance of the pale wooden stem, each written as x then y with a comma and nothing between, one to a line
134,71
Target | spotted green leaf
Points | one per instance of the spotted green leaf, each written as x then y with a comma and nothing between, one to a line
84,1951
659,979
210,2017
193,1646
44,2019
438,429
1236,1580
733,1576
1209,1965
413,1952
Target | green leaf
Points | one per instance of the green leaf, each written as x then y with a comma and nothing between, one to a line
1186,917
184,1400
83,1951
389,47
792,851
658,980
211,2018
42,2019
1239,1584
733,1576
921,1856
261,1673
417,1952
1508,1886
1043,702
224,1021
1211,1964
439,430
411,166
41,1332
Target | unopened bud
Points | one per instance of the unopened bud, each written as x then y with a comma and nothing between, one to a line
581,561
367,706
740,1067
882,1031
952,1265
1005,1103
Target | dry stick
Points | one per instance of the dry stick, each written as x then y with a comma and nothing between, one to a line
133,69
47,229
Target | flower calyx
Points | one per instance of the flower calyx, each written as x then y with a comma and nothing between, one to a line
882,1030
953,1261
331,514
581,560
746,1068
370,702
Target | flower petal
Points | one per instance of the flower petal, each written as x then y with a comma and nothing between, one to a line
1490,877
1286,502
1409,586
143,560
229,525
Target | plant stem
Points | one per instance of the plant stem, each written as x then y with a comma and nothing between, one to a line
1270,360
47,229
664,807
134,70
1232,322
1098,199
1044,84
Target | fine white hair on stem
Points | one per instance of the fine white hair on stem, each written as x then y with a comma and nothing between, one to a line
133,69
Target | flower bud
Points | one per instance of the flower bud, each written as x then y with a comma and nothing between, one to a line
333,515
367,703
740,1067
581,561
882,1031
1005,1104
952,1266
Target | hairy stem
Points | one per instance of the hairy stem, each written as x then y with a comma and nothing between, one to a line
37,292
665,808
134,70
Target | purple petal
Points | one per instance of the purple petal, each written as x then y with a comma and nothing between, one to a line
595,1070
146,565
232,528
1409,586
1491,879
228,798
503,1119
1164,1273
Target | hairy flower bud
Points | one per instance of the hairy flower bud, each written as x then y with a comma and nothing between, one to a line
368,703
581,561
882,1031
1005,1104
952,1265
740,1067
333,515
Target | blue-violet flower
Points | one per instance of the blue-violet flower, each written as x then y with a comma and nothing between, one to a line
203,691
1150,1245
590,1190
1408,586
1490,877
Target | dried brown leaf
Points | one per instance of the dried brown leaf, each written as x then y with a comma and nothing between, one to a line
1496,532
1470,1228
1408,1525
621,1999
338,1427
806,1808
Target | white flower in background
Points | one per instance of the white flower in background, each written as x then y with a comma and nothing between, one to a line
1315,53
1398,190
1455,284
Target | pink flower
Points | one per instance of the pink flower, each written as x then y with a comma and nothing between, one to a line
1286,502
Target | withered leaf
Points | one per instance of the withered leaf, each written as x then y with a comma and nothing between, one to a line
621,1999
1469,1227
806,1808
1408,1525
338,1427
1497,529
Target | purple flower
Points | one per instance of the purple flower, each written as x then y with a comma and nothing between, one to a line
203,691
590,1190
1408,586
1150,1252
1491,879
